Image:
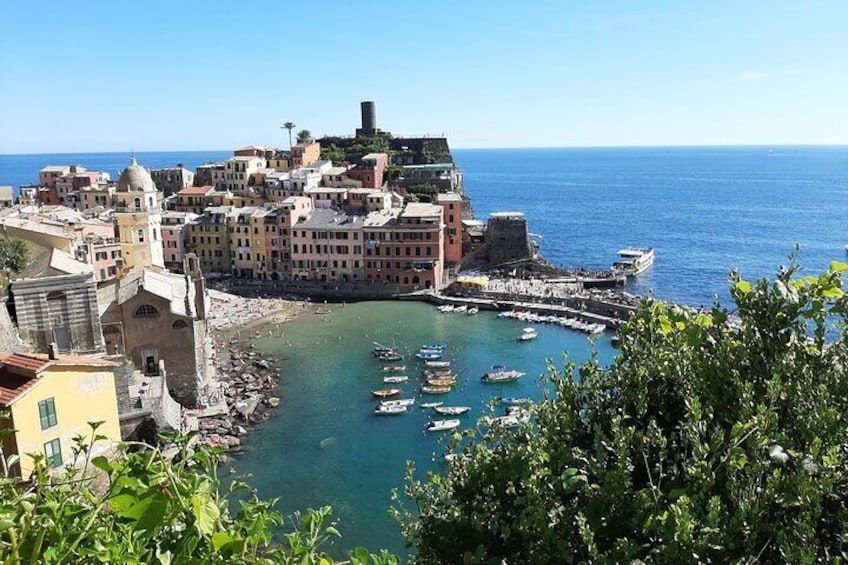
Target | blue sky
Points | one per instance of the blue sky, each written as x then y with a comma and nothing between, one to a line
165,75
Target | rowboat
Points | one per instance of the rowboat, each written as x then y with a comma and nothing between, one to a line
439,346
386,392
431,404
390,357
434,375
514,400
389,410
437,364
398,402
395,379
393,368
452,410
441,425
435,389
441,382
429,356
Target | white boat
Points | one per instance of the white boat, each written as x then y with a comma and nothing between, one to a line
452,410
445,308
473,310
398,402
633,260
527,334
461,309
499,374
437,364
389,410
396,379
431,404
441,425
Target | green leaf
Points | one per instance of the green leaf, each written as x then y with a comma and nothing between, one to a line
743,286
103,464
206,513
838,267
220,539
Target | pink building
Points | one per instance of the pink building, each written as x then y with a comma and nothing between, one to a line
174,238
452,203
371,170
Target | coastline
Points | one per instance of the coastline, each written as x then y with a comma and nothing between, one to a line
245,387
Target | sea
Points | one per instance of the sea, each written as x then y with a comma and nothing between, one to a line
705,211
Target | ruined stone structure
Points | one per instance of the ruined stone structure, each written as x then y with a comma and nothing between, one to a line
55,300
506,241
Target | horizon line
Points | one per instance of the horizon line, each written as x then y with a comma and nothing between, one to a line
465,148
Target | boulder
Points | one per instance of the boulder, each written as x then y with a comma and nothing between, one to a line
273,401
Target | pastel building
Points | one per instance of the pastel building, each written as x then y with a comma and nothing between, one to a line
139,220
327,246
452,206
173,238
208,237
371,170
171,180
51,398
305,154
51,173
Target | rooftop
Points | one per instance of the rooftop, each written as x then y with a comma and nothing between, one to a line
197,190
421,210
330,219
449,197
19,371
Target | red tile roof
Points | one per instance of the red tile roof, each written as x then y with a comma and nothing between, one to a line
196,190
19,372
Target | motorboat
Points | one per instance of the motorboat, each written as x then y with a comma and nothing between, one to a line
394,368
515,400
461,309
390,357
430,356
435,389
435,374
389,410
445,308
441,382
441,425
633,260
379,348
394,379
527,334
499,374
437,364
435,346
473,310
431,404
386,392
398,402
452,410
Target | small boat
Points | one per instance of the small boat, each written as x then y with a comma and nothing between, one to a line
435,389
395,379
441,382
527,334
436,351
429,356
437,346
445,308
390,357
499,374
437,364
394,368
473,310
431,404
389,410
378,348
438,373
452,410
386,392
515,400
461,309
441,425
398,402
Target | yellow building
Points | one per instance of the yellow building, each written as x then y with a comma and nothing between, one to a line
51,400
139,220
304,154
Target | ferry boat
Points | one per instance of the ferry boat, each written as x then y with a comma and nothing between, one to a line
499,374
633,260
527,334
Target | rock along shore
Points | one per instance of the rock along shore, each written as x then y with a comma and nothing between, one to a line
245,386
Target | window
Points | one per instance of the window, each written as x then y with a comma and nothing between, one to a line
141,236
53,453
179,325
145,311
47,413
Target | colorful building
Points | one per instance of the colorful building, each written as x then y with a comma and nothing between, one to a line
51,399
139,220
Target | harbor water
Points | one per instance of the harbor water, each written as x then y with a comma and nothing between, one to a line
325,446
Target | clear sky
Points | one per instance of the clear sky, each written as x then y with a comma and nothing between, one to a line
177,75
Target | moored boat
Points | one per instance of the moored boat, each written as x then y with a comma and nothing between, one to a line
429,356
633,260
398,402
499,374
395,379
435,389
441,382
436,346
452,410
515,400
441,425
437,364
394,368
382,410
473,310
527,334
386,392
431,404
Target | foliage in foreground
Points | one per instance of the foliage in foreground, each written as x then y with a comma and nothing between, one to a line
152,510
710,440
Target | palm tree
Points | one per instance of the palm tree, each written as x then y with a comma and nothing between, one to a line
289,126
304,136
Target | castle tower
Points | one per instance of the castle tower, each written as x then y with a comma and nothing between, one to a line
369,119
139,220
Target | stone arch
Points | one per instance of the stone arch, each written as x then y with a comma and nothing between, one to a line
179,325
146,311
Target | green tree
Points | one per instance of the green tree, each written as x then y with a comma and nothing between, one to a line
150,509
14,255
713,438
289,126
304,136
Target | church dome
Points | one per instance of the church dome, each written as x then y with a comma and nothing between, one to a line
135,178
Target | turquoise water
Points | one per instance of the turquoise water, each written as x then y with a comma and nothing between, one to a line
325,446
